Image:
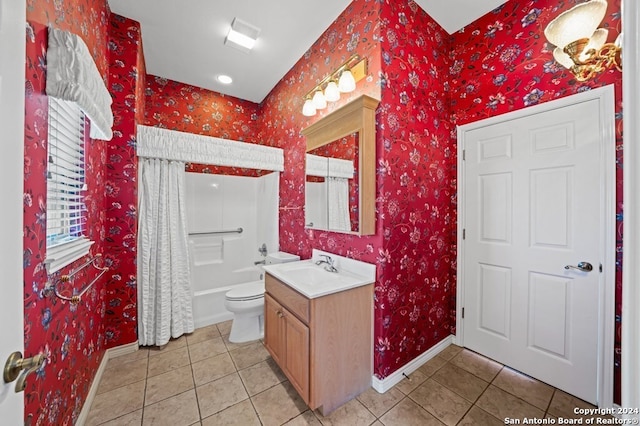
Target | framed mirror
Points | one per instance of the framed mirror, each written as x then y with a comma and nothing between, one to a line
340,169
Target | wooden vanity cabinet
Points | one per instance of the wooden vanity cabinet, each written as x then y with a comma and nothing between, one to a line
323,345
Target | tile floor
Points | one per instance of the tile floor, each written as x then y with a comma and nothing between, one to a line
203,379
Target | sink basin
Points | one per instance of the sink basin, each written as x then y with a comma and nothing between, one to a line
314,281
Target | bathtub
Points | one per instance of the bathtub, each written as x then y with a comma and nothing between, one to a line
208,304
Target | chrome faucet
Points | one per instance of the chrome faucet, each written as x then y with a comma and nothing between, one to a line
328,263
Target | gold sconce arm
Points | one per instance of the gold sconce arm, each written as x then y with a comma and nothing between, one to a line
591,62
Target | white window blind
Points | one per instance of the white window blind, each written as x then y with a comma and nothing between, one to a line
66,211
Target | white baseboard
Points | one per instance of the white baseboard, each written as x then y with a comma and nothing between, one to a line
108,354
397,376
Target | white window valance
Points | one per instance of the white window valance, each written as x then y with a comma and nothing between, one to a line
154,142
329,167
72,75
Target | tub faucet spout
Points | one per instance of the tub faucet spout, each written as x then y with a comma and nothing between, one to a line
259,262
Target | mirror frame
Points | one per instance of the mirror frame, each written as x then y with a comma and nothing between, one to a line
359,116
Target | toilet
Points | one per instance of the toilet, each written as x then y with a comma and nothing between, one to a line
246,302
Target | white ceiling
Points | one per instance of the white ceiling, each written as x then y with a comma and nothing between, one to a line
184,40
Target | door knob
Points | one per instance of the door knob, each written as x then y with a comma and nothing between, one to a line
582,266
16,364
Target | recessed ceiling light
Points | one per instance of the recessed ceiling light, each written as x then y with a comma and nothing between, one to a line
224,79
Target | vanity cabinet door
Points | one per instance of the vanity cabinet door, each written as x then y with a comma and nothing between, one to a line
274,329
297,350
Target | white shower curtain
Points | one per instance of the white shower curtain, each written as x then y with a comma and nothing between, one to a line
338,204
164,291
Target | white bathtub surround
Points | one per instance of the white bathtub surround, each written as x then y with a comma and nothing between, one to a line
223,261
164,292
191,148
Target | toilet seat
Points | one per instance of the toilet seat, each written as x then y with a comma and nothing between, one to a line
250,291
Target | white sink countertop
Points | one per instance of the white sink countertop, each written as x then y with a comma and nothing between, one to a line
314,281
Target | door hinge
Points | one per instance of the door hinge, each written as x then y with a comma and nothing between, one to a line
464,154
601,267
462,313
464,234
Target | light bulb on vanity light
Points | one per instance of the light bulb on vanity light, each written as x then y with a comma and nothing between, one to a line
308,109
331,92
319,101
347,82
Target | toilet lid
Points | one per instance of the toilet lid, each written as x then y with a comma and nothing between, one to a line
248,291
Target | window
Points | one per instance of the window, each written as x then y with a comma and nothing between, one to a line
66,211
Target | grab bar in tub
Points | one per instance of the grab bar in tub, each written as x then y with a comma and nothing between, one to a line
231,231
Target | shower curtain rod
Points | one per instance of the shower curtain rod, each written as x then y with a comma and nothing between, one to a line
231,231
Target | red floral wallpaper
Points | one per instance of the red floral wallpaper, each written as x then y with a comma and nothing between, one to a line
502,63
416,174
126,79
70,336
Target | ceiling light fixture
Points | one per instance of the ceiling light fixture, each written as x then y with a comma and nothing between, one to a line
224,79
242,35
580,45
342,80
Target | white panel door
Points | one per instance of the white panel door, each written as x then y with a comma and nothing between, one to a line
12,52
532,206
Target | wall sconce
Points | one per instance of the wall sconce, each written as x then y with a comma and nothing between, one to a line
342,80
580,45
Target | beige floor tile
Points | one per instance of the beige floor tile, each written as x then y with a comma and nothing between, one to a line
377,423
168,384
224,327
305,419
563,404
241,414
131,419
116,403
450,351
220,394
231,346
179,410
431,366
477,416
261,376
173,344
501,404
168,361
531,390
408,385
126,358
445,405
206,349
213,368
474,363
203,333
249,355
352,413
407,412
380,403
460,381
278,404
123,374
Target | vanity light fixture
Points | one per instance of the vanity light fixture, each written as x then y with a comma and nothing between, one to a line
242,35
342,80
580,45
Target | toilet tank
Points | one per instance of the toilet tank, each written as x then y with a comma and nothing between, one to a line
281,257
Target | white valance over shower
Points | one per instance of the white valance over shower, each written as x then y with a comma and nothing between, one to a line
72,75
154,142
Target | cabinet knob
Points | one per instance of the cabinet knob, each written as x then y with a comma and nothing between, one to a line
280,314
